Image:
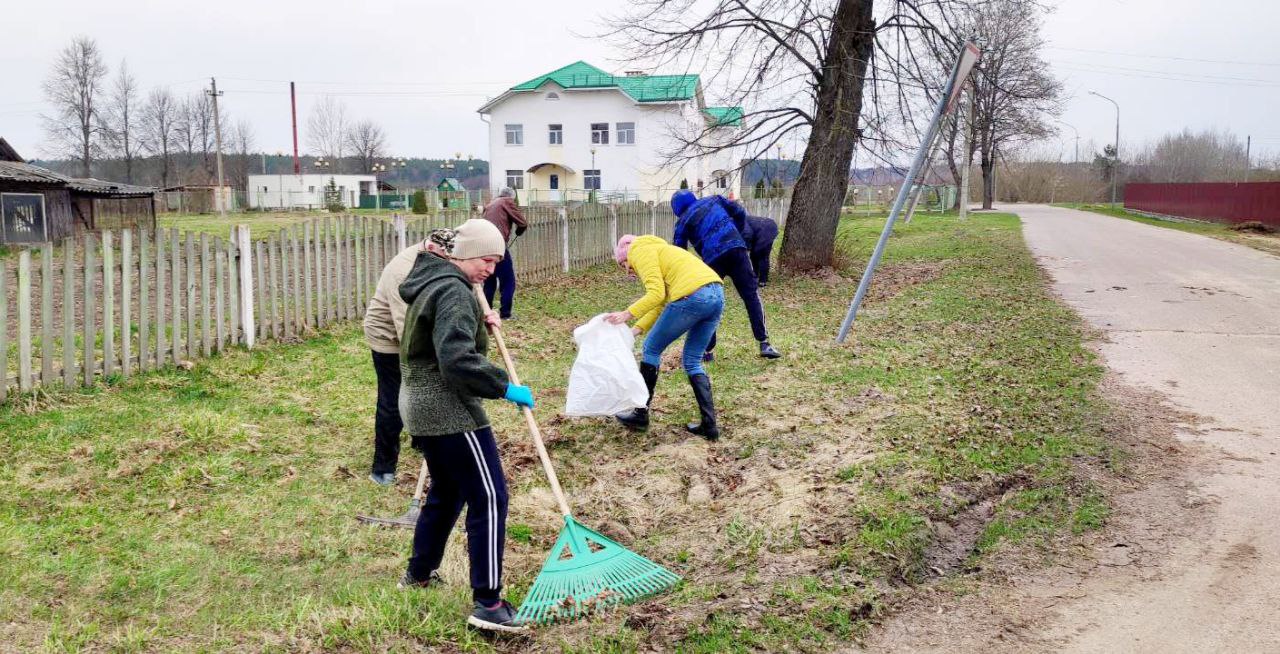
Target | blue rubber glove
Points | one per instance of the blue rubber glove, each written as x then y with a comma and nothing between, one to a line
521,395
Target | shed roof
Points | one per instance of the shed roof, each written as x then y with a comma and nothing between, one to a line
108,189
15,171
450,184
7,153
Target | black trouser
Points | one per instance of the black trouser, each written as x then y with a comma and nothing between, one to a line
465,469
504,275
387,424
760,261
736,265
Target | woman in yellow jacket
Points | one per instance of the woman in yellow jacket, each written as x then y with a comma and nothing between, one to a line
683,296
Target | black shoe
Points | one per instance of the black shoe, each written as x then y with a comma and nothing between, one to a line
407,581
708,357
507,318
499,618
706,408
767,351
638,419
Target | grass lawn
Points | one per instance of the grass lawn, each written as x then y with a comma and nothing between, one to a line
213,509
261,223
1266,242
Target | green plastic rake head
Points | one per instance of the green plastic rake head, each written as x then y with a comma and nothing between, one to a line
587,572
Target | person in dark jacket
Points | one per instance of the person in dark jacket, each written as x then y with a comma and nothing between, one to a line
505,214
445,375
760,234
714,226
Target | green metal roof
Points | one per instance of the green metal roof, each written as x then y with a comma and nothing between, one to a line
450,184
641,88
725,116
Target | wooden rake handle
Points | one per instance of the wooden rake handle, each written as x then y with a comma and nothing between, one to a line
528,413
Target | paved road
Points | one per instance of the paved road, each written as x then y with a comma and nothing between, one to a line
1199,320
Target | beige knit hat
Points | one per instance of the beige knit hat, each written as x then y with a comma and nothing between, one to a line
477,238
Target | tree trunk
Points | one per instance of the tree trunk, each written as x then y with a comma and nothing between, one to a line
809,240
988,179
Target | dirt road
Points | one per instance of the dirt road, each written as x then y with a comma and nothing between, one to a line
1197,320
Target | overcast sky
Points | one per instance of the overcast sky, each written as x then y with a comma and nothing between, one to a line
422,69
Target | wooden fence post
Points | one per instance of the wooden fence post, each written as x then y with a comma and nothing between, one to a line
175,289
24,320
4,329
89,363
189,242
160,298
108,305
308,319
206,306
219,278
46,314
653,218
613,227
241,236
126,302
68,312
401,242
564,239
143,281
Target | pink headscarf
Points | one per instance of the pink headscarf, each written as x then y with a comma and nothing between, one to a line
620,252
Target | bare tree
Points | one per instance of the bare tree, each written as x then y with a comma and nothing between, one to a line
74,88
1013,89
327,130
366,141
193,132
797,66
240,139
1210,156
160,118
122,119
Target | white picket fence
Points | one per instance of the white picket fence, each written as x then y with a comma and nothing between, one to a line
115,303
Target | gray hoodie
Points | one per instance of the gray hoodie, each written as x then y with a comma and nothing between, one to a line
443,368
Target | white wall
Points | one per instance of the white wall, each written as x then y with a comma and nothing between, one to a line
634,168
304,191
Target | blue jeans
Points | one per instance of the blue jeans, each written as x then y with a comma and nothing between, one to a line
698,315
504,277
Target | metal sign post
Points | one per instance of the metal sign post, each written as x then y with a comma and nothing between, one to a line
969,55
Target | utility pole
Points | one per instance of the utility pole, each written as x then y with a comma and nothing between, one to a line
217,135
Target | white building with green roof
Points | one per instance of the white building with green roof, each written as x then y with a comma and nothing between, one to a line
561,135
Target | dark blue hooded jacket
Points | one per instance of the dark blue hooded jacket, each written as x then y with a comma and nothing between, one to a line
713,224
760,233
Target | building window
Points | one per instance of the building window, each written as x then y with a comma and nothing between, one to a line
555,134
591,180
553,96
311,189
721,179
264,189
626,133
515,134
515,179
600,133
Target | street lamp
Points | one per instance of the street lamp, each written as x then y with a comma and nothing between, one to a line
320,165
377,192
1077,133
1115,167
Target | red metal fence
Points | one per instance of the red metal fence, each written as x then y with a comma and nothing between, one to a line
1230,202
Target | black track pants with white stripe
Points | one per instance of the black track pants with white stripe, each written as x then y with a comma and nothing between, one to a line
465,470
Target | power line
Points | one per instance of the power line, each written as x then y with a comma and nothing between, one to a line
1168,78
1176,73
350,83
1148,56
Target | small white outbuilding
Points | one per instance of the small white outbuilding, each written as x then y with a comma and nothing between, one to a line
307,191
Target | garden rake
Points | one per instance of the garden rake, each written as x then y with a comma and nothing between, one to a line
410,518
585,571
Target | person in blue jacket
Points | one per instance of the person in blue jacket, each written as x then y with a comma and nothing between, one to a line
760,235
714,226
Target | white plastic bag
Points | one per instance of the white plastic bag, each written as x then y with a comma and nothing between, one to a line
605,378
